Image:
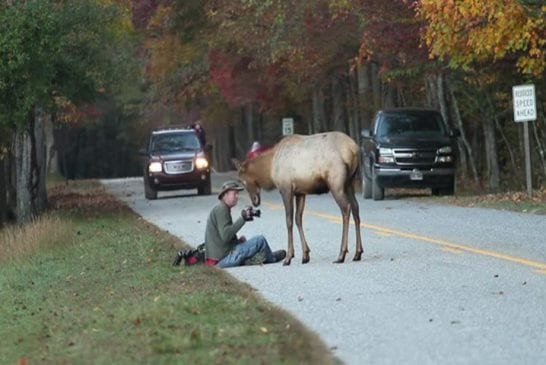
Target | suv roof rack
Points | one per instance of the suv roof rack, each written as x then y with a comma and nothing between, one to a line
173,126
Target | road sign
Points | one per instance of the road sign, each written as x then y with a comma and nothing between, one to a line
525,107
525,110
287,126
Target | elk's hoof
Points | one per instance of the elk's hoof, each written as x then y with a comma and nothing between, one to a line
357,257
286,263
339,261
305,260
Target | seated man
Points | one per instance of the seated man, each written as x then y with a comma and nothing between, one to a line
222,246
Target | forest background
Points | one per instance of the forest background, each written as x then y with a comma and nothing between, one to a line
82,82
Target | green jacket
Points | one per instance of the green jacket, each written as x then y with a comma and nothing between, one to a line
221,232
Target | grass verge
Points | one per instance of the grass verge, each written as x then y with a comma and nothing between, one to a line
92,283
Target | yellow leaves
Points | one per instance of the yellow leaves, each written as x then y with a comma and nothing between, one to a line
468,31
167,54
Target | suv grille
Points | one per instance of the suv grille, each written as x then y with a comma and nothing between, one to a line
410,156
178,167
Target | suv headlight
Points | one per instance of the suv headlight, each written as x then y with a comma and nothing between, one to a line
385,155
155,167
447,158
444,154
201,163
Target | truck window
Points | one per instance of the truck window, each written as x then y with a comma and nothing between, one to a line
410,125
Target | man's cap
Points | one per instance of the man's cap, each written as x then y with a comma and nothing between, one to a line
230,185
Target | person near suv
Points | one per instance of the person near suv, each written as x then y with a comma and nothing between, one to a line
223,247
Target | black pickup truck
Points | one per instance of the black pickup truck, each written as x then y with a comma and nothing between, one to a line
410,148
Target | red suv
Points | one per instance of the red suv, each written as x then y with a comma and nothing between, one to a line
175,159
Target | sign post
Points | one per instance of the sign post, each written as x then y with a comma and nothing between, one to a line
525,110
287,126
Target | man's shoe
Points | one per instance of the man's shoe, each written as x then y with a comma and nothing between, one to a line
279,255
179,256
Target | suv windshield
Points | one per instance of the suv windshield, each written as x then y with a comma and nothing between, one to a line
411,124
174,142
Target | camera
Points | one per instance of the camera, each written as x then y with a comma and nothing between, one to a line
249,213
255,212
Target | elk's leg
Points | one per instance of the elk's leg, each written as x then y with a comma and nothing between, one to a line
288,200
345,207
300,205
356,217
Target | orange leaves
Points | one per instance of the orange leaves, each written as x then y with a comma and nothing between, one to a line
70,113
468,31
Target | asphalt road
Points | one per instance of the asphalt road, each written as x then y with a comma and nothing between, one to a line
437,284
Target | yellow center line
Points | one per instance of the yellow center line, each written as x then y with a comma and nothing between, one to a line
539,267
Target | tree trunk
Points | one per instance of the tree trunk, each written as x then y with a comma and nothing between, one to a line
376,86
240,143
353,106
431,91
30,161
52,166
539,146
319,113
40,159
338,109
3,190
389,97
442,99
221,147
462,143
365,95
493,171
249,125
23,181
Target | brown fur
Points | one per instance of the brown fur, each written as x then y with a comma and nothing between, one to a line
300,165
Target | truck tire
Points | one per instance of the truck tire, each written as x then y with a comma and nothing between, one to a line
447,190
378,192
366,187
205,189
149,192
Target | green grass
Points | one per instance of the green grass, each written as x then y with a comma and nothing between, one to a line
107,294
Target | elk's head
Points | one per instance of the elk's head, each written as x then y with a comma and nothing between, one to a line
249,180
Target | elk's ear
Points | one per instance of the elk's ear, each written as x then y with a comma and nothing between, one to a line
236,163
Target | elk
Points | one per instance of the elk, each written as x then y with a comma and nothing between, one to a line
299,165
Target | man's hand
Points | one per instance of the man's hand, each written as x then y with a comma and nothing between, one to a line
247,214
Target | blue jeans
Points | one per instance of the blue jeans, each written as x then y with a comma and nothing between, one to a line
246,250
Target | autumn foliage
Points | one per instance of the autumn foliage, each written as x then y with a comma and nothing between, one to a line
466,32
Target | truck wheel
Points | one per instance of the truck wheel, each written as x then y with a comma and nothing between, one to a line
450,190
205,189
366,187
149,192
378,192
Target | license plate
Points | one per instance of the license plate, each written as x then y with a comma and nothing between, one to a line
416,175
178,166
